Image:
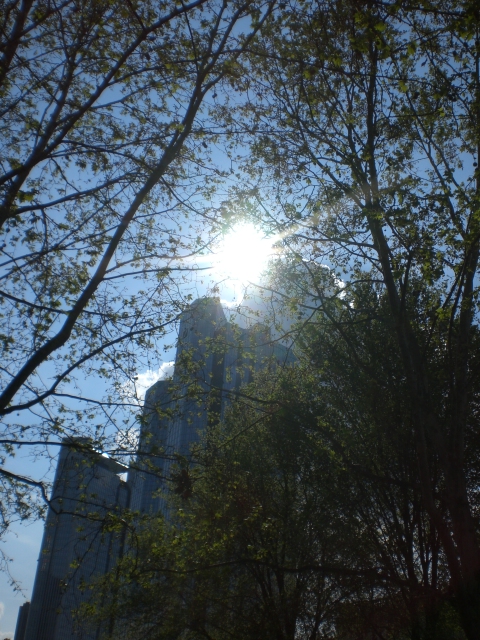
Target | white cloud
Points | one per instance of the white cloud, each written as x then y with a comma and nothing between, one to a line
135,392
2,609
145,380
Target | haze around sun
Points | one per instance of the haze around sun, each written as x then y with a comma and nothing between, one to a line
243,254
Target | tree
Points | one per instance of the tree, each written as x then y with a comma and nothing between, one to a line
360,403
106,181
366,127
303,517
245,554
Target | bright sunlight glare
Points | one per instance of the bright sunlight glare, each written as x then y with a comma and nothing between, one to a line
244,254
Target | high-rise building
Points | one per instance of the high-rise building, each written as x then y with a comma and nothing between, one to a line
176,410
214,359
22,621
75,547
145,477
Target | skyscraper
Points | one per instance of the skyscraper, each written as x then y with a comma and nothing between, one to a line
75,549
22,621
176,410
145,477
214,359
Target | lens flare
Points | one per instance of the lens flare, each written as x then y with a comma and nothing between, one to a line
244,254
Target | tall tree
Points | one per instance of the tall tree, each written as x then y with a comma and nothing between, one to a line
360,400
105,182
365,122
302,517
245,554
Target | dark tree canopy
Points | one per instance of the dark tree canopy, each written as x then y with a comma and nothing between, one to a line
365,122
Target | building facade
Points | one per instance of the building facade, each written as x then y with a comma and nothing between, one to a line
22,621
75,548
214,359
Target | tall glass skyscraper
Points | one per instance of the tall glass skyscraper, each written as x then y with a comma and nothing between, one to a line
75,548
214,359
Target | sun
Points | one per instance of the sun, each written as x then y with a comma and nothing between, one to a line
244,254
